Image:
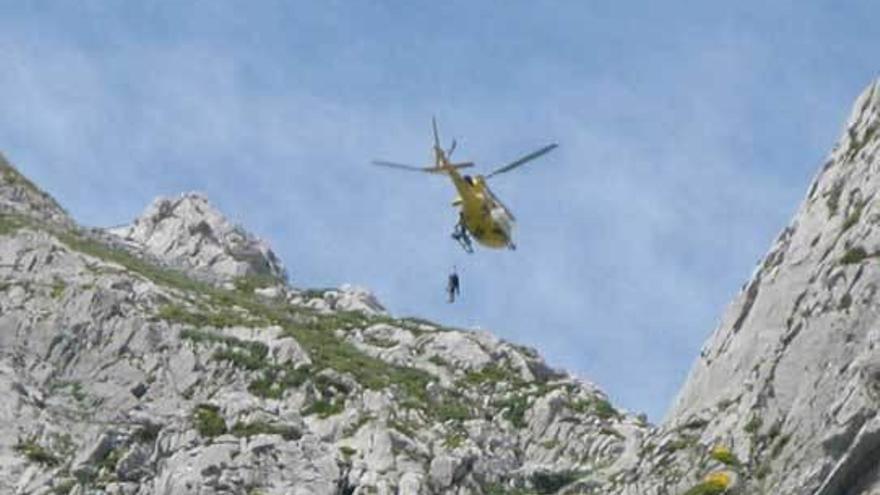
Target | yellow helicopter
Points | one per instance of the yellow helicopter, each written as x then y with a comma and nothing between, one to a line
482,215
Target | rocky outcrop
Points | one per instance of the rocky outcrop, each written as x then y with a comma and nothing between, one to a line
20,195
189,232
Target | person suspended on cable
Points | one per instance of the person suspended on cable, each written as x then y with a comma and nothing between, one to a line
452,287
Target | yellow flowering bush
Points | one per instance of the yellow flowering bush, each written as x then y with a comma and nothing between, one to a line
713,484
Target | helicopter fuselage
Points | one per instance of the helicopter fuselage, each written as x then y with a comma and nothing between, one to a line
484,216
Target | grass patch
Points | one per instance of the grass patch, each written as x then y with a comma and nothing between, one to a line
251,282
408,428
243,358
550,444
276,379
680,443
595,405
353,428
74,388
208,421
753,425
450,409
248,430
347,452
58,287
604,409
611,432
515,410
492,373
454,439
499,489
854,215
109,462
9,224
439,361
224,318
412,321
854,255
35,452
546,482
832,201
244,354
324,408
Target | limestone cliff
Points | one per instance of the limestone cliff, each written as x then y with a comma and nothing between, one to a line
783,399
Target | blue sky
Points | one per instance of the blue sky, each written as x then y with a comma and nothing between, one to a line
688,134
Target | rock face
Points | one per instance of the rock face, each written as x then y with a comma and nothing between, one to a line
123,376
796,354
191,233
790,380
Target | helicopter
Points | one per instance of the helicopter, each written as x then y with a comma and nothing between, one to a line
481,214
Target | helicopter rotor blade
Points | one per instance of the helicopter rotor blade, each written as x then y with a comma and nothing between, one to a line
527,158
451,148
428,170
436,134
401,166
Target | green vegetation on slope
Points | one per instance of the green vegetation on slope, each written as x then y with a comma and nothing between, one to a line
9,224
35,452
241,429
854,255
596,405
208,421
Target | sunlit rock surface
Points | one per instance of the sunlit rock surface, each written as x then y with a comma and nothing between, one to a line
190,232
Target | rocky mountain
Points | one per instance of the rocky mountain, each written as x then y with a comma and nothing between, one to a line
173,356
194,236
